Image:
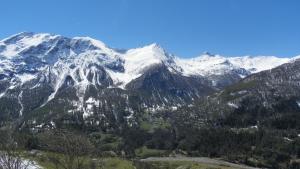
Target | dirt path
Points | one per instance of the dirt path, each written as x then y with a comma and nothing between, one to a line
203,160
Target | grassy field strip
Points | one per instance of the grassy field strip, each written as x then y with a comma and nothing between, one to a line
203,160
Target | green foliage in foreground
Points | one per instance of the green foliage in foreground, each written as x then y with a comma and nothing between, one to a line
117,163
145,152
90,163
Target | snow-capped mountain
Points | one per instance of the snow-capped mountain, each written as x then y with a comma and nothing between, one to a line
51,74
29,53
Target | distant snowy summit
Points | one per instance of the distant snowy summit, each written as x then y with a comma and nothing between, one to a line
208,64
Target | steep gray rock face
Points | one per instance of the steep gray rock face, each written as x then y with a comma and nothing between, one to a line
161,86
46,78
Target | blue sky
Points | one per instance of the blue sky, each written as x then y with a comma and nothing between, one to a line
184,27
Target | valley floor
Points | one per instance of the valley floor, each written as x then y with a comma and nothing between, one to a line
157,163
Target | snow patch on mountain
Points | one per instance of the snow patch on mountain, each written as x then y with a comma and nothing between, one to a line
258,63
100,46
205,65
230,104
25,77
20,102
136,61
90,104
19,42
